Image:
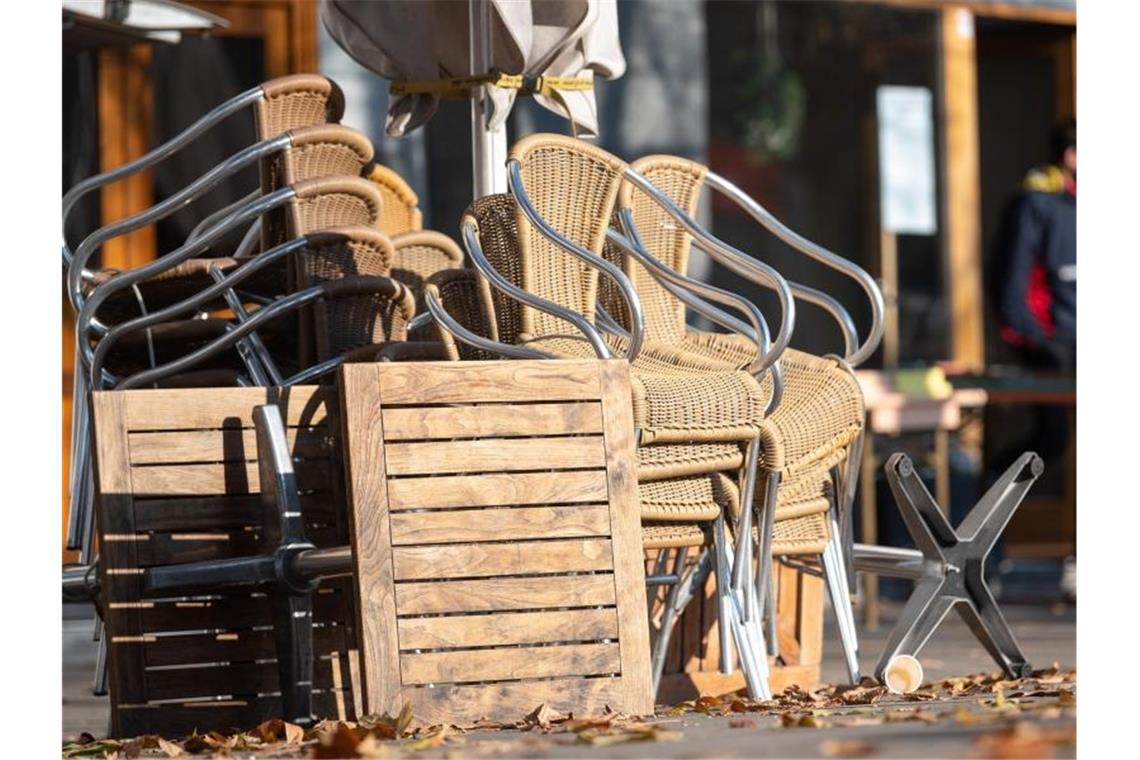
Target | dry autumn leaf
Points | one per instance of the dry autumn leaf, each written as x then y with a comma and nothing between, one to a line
341,743
846,748
799,720
1024,740
170,748
540,717
430,741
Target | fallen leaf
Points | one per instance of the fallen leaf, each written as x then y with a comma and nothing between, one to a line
802,720
386,727
428,742
846,748
135,746
741,723
1024,740
540,717
341,743
105,747
170,748
1066,699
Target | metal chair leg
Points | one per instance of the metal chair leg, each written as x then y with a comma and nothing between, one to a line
651,590
765,582
846,500
99,687
749,641
841,604
670,614
78,453
721,568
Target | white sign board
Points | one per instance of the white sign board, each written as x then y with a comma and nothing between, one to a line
906,160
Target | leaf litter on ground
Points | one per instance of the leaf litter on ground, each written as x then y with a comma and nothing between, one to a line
976,699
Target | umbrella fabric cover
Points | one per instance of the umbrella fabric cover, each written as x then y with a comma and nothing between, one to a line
416,40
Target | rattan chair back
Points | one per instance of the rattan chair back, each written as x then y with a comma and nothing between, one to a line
343,324
459,292
325,150
401,205
682,181
299,100
574,186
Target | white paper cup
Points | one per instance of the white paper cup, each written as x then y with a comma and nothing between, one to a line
903,674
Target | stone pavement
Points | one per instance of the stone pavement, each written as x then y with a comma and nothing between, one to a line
1047,634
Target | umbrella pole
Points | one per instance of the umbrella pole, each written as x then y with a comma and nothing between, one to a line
488,146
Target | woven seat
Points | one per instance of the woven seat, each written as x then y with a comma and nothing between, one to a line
677,397
657,536
670,460
688,499
820,413
801,535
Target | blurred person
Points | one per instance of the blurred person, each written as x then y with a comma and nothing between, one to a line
1034,288
1035,278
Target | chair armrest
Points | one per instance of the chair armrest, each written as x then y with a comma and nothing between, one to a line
470,235
728,256
629,294
345,288
462,334
820,254
198,187
98,356
188,135
96,297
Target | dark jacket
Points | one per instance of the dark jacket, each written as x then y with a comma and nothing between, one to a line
1034,281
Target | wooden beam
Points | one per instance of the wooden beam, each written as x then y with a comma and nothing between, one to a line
125,116
962,188
1065,78
1009,11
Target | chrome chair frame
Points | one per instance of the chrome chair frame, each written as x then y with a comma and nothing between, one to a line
836,562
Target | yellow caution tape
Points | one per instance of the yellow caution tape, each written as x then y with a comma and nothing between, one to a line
461,87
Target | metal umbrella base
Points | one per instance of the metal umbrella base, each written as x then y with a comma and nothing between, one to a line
948,566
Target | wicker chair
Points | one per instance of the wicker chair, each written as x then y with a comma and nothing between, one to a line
703,413
679,514
354,248
812,437
295,156
310,206
279,105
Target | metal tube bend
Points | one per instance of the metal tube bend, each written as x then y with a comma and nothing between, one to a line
629,294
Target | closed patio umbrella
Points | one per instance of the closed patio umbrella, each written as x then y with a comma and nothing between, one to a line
422,41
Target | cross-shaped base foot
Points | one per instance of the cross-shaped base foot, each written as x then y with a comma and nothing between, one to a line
953,562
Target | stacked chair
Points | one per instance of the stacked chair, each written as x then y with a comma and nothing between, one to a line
317,286
745,448
698,420
810,433
812,439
